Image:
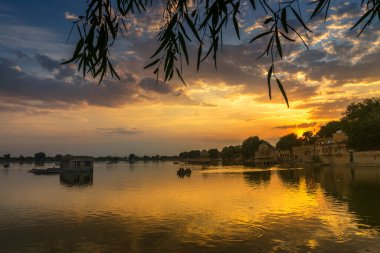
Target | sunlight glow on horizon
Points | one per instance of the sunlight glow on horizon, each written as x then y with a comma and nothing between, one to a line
45,106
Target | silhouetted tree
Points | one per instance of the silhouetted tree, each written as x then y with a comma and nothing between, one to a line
184,155
132,157
58,157
40,156
361,123
194,154
308,137
156,158
230,153
329,129
250,146
213,153
288,141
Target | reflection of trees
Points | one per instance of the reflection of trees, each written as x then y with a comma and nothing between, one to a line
76,178
359,188
334,180
312,178
290,177
257,177
364,201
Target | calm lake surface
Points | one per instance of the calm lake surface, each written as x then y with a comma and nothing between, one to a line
145,207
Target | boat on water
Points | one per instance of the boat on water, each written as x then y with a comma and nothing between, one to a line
6,165
48,171
184,172
68,164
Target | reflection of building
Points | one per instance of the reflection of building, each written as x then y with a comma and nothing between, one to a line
266,155
76,178
77,163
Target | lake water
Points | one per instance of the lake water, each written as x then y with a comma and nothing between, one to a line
146,207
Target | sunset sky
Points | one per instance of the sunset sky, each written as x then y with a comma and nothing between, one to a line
47,107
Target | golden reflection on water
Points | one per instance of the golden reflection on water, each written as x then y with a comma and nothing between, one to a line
233,208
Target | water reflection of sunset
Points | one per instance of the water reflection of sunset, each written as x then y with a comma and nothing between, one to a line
268,209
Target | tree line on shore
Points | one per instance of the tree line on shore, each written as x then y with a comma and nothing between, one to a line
244,152
41,157
360,121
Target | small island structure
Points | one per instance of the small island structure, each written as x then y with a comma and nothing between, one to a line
77,164
69,163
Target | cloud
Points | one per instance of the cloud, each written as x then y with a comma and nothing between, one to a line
22,86
237,67
46,62
150,84
302,125
17,68
70,16
20,54
118,131
209,105
62,88
330,109
31,38
169,94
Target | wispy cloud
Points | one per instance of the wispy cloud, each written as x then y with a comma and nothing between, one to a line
118,131
70,16
302,125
